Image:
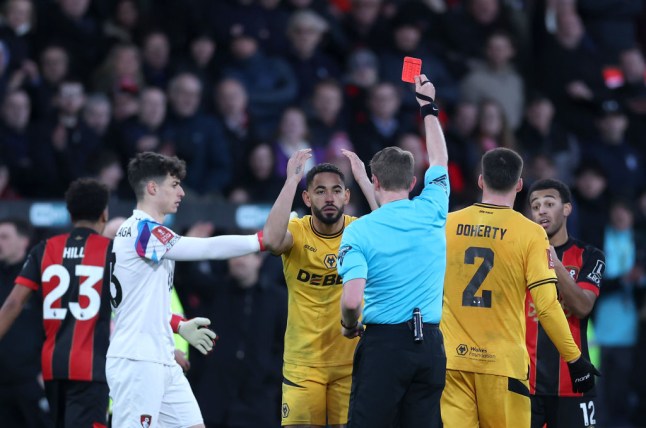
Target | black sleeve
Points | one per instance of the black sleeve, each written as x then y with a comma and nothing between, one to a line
593,266
30,274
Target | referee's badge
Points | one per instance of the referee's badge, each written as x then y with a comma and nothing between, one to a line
342,252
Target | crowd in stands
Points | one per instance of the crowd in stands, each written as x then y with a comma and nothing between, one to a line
235,87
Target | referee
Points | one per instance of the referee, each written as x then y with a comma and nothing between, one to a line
395,258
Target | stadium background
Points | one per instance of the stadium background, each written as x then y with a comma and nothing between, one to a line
235,86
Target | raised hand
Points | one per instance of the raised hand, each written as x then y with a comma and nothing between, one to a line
424,90
296,164
358,167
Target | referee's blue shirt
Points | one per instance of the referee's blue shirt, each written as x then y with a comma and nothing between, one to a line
400,250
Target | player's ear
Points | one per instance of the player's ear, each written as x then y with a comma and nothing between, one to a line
567,209
375,182
412,184
306,199
480,182
347,195
151,187
519,185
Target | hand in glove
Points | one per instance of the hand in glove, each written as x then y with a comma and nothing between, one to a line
582,373
195,332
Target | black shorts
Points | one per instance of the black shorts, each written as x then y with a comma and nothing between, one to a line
396,381
563,412
77,404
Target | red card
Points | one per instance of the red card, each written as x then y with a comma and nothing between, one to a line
412,67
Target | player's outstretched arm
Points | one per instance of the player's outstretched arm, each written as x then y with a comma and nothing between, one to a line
12,307
435,143
276,237
553,320
361,177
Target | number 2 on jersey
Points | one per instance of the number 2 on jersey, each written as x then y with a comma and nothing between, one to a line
469,297
92,274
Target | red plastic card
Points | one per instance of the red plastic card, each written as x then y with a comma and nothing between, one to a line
412,67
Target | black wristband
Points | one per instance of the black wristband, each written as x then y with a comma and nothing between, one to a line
430,108
350,327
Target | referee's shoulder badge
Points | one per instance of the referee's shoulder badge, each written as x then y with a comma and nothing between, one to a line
342,252
440,181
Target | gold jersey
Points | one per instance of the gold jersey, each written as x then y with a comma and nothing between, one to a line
313,335
494,255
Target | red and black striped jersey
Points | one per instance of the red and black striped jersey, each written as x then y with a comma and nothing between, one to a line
69,271
549,373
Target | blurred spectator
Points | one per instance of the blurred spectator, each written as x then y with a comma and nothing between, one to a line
383,126
414,144
4,68
22,398
463,156
204,61
274,16
492,130
364,25
125,102
539,134
591,199
259,181
326,120
7,192
67,141
408,41
17,30
310,64
611,24
293,136
497,79
145,133
244,376
270,82
468,26
197,138
106,167
615,318
622,163
97,114
362,74
68,23
632,93
576,84
232,104
125,24
156,66
121,67
54,68
18,142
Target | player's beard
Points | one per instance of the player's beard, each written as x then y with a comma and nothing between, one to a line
327,218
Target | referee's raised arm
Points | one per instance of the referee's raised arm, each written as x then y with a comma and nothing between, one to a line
435,143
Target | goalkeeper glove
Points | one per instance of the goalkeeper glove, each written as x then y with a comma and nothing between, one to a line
194,331
582,373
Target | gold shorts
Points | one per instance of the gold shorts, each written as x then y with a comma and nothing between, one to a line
485,401
315,395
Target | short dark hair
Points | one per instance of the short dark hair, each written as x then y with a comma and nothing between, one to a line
86,199
551,183
501,169
153,166
394,168
320,168
23,227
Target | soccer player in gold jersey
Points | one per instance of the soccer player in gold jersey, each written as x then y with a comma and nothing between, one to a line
494,255
317,367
